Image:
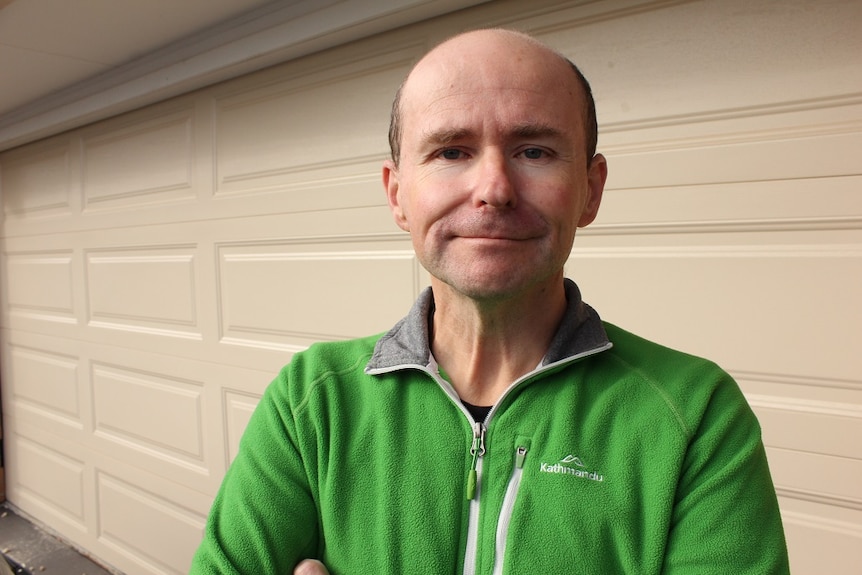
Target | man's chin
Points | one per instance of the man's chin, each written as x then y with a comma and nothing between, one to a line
493,287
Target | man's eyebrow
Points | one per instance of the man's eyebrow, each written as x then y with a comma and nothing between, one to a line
445,136
537,131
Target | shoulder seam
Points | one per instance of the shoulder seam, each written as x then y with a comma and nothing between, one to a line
664,396
362,360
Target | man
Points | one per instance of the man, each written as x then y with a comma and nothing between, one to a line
501,427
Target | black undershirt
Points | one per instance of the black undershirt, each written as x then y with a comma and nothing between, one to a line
479,412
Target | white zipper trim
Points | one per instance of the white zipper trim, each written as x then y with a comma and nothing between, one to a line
505,518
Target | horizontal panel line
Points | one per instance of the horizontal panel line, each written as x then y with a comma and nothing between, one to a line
37,209
144,247
786,379
743,112
39,258
839,251
184,258
727,226
321,256
69,419
42,316
805,405
814,497
186,185
323,239
724,140
822,523
301,185
39,308
723,184
280,333
579,21
120,316
355,161
264,345
146,330
142,443
130,129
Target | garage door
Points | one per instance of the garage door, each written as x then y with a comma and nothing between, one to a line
159,267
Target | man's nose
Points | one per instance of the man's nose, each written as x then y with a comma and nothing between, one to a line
496,186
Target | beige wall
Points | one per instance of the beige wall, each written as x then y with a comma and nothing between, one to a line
159,267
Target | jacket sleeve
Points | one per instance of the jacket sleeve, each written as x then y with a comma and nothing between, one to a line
725,517
264,518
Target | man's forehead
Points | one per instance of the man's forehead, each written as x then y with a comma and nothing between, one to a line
442,113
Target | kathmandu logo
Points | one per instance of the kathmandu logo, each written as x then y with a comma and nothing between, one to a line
571,465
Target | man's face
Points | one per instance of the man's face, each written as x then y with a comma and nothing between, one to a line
492,180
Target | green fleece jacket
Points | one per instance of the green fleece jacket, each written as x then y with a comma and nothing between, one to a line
614,456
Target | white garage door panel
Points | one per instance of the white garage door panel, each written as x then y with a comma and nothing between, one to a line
160,267
142,164
774,159
48,473
40,284
35,183
819,477
762,309
46,380
149,413
346,280
144,288
653,61
51,476
271,136
818,203
812,426
163,536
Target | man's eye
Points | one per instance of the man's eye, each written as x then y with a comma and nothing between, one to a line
450,154
534,153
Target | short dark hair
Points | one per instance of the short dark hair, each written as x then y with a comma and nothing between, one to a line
591,126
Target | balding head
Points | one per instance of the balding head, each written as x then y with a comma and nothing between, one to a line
468,50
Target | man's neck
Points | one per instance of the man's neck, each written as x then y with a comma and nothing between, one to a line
483,346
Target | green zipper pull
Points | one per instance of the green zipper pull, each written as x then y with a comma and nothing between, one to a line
477,450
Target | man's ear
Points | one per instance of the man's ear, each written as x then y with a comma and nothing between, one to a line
597,175
392,187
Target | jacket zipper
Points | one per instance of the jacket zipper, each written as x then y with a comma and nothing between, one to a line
477,450
508,506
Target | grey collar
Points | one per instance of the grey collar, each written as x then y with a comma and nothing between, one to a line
406,344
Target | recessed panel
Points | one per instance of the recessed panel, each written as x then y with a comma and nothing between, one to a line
149,412
46,380
53,478
156,533
808,475
815,426
37,183
786,310
765,205
40,284
292,295
150,162
277,135
749,160
143,288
